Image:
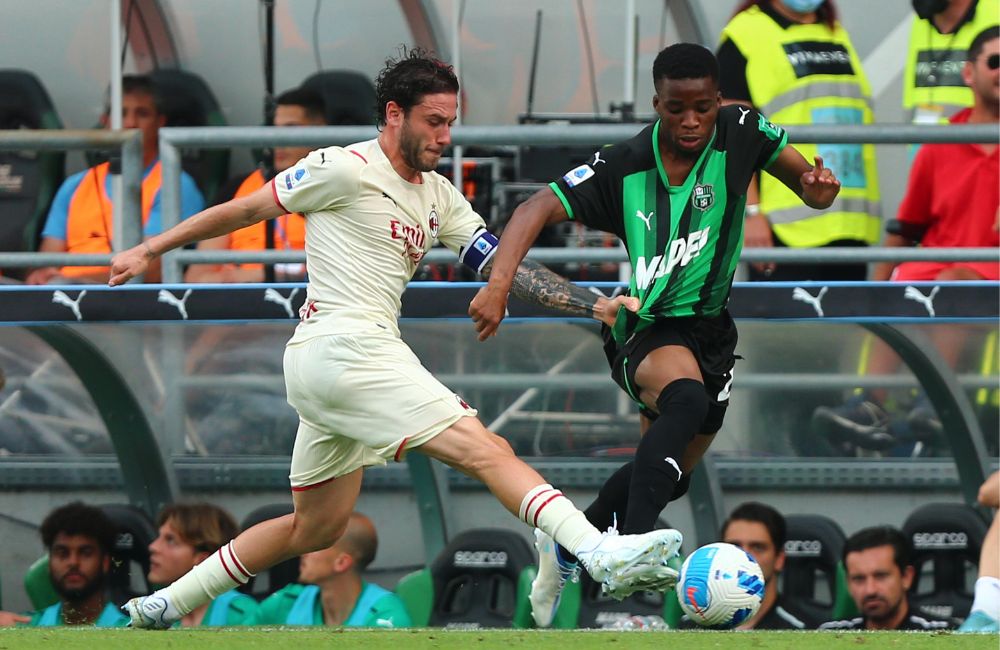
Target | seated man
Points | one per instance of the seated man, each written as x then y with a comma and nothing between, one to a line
332,591
985,613
296,107
760,531
879,573
79,539
952,200
189,533
79,220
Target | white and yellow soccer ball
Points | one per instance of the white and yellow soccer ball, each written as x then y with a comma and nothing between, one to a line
720,586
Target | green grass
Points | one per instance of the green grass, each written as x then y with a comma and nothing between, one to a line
303,638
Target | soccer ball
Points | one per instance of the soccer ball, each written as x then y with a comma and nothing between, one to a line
720,586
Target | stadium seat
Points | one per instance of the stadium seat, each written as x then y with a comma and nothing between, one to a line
267,582
130,564
28,179
947,539
129,561
349,96
813,575
38,584
188,101
480,580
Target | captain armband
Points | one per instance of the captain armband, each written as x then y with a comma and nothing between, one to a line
480,249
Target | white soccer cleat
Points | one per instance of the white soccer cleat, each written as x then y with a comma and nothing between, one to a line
149,612
553,572
629,563
640,577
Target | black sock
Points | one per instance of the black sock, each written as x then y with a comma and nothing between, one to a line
610,504
683,406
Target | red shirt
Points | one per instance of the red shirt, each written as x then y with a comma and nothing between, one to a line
954,191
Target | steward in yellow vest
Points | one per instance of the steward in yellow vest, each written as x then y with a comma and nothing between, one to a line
806,73
933,89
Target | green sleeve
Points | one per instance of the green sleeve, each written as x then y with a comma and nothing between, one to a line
241,609
273,610
389,611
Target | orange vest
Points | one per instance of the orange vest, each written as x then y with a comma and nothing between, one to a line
88,223
289,231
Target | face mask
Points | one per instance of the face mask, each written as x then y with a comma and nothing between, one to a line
925,9
802,6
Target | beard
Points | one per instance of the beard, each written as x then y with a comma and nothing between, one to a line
411,147
78,594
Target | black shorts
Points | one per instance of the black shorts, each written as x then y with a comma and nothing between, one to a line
712,341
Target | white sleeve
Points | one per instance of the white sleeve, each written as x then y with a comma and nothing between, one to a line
326,178
460,222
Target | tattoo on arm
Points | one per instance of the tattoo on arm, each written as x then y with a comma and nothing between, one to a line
536,284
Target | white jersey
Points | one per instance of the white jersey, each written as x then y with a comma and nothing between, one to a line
366,231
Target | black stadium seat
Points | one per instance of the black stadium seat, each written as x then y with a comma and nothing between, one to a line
814,545
130,556
947,539
28,179
480,580
267,582
349,96
188,101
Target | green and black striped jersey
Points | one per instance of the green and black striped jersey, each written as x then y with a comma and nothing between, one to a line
683,241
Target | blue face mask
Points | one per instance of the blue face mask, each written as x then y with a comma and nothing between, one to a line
802,6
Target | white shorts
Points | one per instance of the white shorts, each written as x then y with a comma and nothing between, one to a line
362,398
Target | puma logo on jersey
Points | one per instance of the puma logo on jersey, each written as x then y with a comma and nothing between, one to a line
743,114
413,238
597,158
679,253
645,217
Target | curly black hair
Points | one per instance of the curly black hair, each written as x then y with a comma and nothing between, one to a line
79,519
408,77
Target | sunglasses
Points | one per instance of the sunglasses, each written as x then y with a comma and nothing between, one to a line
993,61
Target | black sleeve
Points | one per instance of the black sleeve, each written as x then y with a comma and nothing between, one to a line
913,231
751,143
733,73
591,193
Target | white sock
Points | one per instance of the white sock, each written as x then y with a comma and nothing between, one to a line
546,508
217,574
987,597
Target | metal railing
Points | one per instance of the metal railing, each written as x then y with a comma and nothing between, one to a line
172,139
547,135
126,219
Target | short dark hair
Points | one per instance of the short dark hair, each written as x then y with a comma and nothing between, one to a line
762,514
308,99
78,518
980,41
875,536
142,84
407,78
685,61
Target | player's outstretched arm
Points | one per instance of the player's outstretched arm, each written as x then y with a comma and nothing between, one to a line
539,285
815,184
489,306
216,220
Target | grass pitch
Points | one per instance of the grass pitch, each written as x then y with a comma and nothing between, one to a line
419,639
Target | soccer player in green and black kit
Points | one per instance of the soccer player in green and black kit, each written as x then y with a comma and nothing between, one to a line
675,194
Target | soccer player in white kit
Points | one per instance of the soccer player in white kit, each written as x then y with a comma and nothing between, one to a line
373,209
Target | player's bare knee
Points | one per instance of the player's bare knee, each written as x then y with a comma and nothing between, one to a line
311,534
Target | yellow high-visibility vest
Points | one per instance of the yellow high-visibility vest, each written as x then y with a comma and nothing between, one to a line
933,89
810,74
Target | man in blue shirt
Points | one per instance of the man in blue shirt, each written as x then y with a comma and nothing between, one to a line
79,220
